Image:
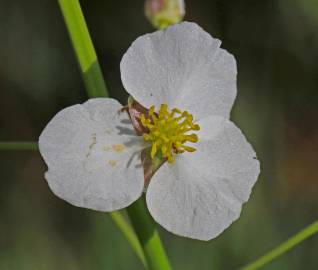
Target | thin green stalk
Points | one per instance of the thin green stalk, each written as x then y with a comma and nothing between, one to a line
129,233
83,47
95,87
148,236
18,146
284,247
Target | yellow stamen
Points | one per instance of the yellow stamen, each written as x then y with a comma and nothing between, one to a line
168,131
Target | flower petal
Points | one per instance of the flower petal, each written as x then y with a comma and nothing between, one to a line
183,67
93,156
202,193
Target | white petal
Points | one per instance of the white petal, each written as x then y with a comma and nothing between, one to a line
93,156
202,193
181,66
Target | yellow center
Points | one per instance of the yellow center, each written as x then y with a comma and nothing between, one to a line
169,131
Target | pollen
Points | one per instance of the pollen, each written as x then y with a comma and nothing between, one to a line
169,131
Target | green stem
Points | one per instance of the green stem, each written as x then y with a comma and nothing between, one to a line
95,86
148,236
284,247
83,47
18,146
129,233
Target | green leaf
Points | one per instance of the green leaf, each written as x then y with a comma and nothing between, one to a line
83,47
18,146
95,87
130,235
284,247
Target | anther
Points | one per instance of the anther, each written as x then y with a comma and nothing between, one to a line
169,133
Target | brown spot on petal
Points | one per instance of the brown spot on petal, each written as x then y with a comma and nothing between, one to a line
112,163
118,148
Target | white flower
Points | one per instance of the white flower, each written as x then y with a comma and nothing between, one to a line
93,151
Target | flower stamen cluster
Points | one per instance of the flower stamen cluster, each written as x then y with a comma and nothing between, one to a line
168,131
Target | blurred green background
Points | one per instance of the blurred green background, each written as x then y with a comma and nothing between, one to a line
275,43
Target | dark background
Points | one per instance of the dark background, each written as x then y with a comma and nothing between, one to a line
275,43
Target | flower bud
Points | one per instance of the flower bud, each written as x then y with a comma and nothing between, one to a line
162,13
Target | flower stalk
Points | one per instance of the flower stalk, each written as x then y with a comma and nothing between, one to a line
96,87
18,146
148,236
83,47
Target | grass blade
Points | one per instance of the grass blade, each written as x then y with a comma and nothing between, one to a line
284,247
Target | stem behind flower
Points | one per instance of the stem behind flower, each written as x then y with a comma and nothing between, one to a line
83,47
18,146
95,87
148,236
